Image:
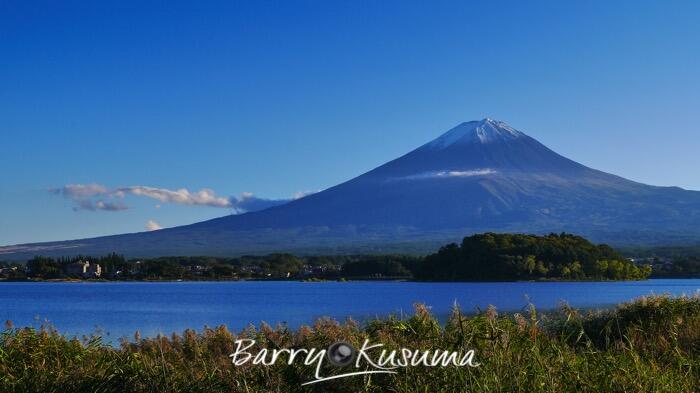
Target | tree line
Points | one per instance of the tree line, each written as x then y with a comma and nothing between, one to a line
492,256
488,256
681,267
274,266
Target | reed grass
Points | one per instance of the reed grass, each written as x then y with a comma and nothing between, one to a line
651,344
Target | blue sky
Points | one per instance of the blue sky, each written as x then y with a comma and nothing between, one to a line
276,98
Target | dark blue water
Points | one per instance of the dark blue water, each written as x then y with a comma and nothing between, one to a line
118,309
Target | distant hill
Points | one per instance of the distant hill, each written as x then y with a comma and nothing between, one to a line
494,256
479,176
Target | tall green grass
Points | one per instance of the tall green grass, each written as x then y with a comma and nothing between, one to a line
651,344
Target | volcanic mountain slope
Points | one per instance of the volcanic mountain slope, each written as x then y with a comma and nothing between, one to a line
479,176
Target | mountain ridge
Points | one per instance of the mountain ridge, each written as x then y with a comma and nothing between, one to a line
478,176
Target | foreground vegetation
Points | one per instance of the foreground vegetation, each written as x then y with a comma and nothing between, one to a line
649,345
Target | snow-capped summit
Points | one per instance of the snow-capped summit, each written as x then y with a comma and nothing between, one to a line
474,146
478,131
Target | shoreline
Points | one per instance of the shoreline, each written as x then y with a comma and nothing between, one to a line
341,280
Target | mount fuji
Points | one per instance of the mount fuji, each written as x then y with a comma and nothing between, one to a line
479,176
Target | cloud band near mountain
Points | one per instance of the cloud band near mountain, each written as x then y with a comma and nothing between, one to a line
94,197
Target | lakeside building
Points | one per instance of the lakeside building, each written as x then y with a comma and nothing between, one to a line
7,271
84,269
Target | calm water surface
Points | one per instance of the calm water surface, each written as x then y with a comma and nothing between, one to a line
118,309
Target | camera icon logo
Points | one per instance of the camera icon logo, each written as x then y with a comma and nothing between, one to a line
341,354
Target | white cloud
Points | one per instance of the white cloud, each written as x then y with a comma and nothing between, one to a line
203,197
151,225
89,204
84,197
80,190
476,172
247,202
448,174
95,197
301,194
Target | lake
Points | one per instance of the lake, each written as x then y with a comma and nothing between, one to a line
118,309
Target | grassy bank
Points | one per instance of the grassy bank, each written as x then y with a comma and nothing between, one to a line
650,344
